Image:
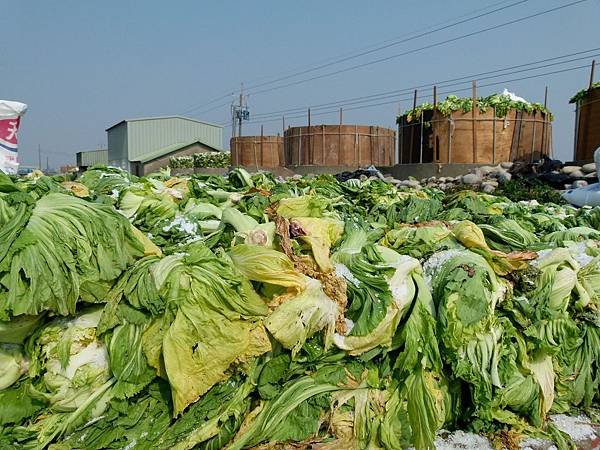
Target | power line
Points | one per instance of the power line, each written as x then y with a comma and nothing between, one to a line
426,47
444,83
469,77
388,45
495,83
208,103
379,46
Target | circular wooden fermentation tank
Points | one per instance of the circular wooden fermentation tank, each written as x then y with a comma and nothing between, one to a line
257,151
340,145
520,136
587,126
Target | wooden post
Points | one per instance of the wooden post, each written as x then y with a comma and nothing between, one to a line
421,141
412,129
450,140
494,137
400,139
299,146
533,136
543,150
356,149
323,145
309,141
262,150
340,137
592,72
474,111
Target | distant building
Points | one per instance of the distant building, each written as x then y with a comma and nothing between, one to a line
90,158
141,146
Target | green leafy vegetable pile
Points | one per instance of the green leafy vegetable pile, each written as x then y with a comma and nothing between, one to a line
242,311
208,159
584,92
502,104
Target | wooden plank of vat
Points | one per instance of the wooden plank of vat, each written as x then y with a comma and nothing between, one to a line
474,114
262,147
450,140
534,123
412,129
494,137
323,145
421,141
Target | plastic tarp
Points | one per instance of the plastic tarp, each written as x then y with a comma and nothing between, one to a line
10,119
589,195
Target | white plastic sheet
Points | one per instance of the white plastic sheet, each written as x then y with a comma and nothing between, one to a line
10,119
589,195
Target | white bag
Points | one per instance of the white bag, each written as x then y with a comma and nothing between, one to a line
10,119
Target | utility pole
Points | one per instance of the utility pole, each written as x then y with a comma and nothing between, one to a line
232,120
39,157
47,165
592,73
240,110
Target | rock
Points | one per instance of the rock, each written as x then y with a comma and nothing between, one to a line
579,184
577,174
410,183
588,168
591,175
503,177
491,183
506,165
363,178
485,170
471,178
570,169
488,188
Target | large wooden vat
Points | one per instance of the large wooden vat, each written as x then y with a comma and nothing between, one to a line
587,126
257,151
520,136
340,145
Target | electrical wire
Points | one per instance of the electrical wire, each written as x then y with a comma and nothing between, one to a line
570,69
444,83
388,45
419,49
379,46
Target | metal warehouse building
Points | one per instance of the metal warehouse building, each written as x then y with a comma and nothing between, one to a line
92,157
144,145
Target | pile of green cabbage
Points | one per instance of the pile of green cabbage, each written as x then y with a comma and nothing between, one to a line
251,312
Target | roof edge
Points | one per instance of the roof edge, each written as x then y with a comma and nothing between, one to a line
137,119
183,145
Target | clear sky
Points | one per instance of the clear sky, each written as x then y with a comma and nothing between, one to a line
82,66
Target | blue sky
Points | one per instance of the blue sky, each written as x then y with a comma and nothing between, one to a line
82,66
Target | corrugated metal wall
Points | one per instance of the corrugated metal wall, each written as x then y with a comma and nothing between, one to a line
117,146
145,136
92,157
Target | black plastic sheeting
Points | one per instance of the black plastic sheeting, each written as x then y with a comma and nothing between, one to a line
547,171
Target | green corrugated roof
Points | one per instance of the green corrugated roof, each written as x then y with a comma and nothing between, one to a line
172,148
